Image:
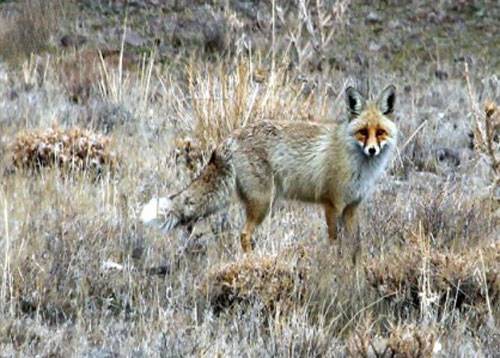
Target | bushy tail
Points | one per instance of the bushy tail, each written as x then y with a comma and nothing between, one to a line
208,193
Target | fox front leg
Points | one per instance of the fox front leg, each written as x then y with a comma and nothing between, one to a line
350,217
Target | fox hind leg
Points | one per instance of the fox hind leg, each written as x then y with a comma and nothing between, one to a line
331,222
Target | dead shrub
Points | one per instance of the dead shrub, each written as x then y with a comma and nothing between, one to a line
449,280
201,27
486,132
487,139
73,149
269,280
406,340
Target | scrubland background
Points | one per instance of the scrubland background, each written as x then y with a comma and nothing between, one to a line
151,87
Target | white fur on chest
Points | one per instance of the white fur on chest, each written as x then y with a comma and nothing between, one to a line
365,177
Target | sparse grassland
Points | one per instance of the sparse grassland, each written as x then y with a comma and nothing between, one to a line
158,88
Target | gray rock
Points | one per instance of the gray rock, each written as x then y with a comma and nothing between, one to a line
106,116
373,46
448,155
394,24
134,39
373,18
442,75
201,27
72,40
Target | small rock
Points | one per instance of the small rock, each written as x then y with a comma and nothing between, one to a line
111,265
72,41
442,75
159,270
360,59
373,18
137,252
135,3
394,24
448,154
373,46
132,38
436,17
106,116
13,95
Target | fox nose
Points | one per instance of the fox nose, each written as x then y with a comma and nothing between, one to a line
372,151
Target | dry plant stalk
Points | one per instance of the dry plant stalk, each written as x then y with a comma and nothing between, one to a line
486,131
223,100
319,22
73,149
488,139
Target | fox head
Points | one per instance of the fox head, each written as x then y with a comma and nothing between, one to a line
371,122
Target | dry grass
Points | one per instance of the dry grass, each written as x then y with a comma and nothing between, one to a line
440,281
81,71
30,26
80,276
226,99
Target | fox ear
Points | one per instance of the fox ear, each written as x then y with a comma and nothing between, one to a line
355,102
387,100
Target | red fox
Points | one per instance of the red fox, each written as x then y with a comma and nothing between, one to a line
332,164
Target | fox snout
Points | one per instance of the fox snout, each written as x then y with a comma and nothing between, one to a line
372,151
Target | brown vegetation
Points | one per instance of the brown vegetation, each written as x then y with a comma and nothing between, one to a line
73,149
268,280
398,342
426,278
80,276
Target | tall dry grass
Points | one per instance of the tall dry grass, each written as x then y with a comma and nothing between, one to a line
29,27
81,276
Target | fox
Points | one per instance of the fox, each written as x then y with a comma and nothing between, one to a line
333,163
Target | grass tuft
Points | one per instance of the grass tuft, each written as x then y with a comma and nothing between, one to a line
438,281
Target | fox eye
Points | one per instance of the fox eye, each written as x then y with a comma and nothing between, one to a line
380,132
363,132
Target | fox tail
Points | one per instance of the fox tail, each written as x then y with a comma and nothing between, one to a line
208,193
